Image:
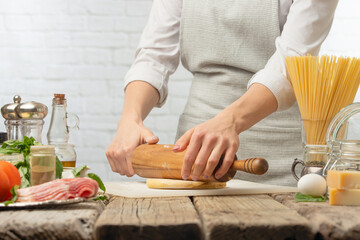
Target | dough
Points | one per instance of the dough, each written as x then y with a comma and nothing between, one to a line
182,184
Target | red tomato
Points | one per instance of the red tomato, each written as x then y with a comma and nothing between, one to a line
9,177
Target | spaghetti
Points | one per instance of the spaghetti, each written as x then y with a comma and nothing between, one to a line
322,86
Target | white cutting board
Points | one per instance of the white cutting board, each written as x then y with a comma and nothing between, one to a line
233,187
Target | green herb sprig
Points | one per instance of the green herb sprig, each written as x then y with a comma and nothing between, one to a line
16,146
77,173
14,195
299,197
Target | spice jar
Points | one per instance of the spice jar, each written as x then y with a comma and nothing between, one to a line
42,164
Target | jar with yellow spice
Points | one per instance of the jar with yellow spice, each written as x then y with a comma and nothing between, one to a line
42,164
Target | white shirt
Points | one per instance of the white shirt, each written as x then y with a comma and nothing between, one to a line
304,24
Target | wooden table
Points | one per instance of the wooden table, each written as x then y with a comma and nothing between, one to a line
274,216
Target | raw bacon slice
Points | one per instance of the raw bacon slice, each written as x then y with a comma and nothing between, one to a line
61,189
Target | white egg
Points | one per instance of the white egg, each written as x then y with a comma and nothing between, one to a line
312,184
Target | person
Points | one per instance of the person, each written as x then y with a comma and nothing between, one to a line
241,101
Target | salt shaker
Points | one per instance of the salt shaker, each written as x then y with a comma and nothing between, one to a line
12,120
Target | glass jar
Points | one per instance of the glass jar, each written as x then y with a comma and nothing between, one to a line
42,164
345,155
315,149
343,140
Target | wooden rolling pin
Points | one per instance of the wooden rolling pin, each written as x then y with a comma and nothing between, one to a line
159,161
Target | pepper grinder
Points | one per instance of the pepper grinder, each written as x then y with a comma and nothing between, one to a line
12,120
32,115
24,119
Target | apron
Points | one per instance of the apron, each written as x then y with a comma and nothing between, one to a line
224,43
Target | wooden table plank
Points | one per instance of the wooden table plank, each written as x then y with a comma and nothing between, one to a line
250,217
74,221
328,222
149,218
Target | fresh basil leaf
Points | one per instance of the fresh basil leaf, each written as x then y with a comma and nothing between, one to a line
101,197
11,143
27,143
59,168
98,180
25,176
299,197
14,195
77,171
9,151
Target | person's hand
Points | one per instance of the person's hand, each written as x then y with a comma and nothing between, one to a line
129,135
205,144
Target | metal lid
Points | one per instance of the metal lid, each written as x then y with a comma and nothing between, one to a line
31,110
8,110
45,149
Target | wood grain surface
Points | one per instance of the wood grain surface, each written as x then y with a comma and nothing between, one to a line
328,222
74,221
149,218
250,217
203,217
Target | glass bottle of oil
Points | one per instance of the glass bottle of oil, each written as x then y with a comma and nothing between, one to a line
58,133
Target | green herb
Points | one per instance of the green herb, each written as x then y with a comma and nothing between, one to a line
59,168
101,197
299,197
16,146
98,180
77,171
24,170
14,195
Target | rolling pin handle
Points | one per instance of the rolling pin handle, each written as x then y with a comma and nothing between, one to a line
256,166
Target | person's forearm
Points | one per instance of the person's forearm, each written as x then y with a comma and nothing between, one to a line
257,103
140,98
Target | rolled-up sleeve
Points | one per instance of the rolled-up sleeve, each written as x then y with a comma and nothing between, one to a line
157,55
308,24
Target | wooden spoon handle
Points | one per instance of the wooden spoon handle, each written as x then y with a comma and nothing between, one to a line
256,166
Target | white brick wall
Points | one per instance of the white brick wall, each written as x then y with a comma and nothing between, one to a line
83,48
